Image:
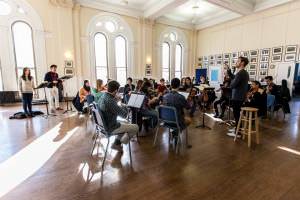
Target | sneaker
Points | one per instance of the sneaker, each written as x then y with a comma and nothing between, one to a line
117,147
216,115
230,134
231,130
125,139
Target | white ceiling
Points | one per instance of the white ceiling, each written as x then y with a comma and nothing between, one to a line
181,12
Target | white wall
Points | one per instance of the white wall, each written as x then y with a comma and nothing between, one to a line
270,28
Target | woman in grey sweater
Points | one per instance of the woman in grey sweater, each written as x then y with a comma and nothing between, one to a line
26,86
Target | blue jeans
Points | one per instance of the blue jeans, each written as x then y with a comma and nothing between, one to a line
27,102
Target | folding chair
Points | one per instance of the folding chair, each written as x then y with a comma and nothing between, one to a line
167,117
102,129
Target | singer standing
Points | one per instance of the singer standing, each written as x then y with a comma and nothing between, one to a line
52,91
239,86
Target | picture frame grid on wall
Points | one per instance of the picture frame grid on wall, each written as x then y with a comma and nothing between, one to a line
254,53
265,52
291,49
277,50
290,57
226,56
276,58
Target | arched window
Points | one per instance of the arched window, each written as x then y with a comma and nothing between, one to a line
101,56
178,61
121,59
23,47
166,61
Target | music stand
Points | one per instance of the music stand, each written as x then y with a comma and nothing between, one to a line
203,112
40,86
67,98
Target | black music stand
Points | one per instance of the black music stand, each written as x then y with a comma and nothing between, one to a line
203,113
40,86
66,97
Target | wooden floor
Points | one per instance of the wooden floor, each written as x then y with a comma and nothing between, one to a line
49,159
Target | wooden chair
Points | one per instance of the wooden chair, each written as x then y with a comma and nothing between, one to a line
247,117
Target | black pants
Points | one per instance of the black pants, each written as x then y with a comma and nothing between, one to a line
223,101
27,102
236,106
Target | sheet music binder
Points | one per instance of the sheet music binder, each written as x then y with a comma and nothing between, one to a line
185,94
136,100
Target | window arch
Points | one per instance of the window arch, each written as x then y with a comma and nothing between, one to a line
177,44
166,61
119,47
121,59
178,61
23,47
100,42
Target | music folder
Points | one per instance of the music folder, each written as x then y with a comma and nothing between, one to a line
185,94
136,100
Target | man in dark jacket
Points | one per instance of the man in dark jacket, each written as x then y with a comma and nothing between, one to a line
239,86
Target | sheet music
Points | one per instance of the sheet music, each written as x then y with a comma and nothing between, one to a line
136,100
185,94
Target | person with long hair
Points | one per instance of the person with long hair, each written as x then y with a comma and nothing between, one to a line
99,90
85,91
26,86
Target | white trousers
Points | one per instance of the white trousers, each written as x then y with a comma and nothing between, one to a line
52,97
131,129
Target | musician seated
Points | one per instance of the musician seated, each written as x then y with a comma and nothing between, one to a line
256,98
272,88
188,84
225,96
174,99
98,91
203,80
193,100
139,85
162,88
129,87
148,108
108,105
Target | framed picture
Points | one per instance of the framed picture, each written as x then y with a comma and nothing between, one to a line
265,52
244,53
252,66
219,57
212,57
233,61
69,63
263,65
276,58
219,62
289,57
226,56
291,49
226,62
69,71
205,65
211,63
272,66
254,53
235,55
252,78
264,59
277,50
263,73
253,60
205,58
252,73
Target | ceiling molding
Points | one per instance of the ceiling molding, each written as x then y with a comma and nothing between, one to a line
121,10
166,21
217,20
238,6
270,4
159,9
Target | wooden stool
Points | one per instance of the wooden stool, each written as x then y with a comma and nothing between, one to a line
248,115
